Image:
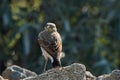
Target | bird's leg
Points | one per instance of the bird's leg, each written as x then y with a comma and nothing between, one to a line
46,60
60,68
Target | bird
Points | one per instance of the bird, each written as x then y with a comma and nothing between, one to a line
51,44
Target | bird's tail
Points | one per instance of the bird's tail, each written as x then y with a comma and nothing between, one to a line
56,63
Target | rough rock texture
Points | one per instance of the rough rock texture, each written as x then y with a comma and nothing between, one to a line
73,72
89,76
114,75
16,73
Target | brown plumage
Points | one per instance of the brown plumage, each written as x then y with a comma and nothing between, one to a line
51,44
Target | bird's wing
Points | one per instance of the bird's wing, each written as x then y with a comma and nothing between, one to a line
53,45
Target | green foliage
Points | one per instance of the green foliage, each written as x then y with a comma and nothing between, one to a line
89,28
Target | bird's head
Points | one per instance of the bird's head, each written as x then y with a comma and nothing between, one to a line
51,27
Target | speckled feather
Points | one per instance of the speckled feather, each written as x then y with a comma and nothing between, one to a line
51,42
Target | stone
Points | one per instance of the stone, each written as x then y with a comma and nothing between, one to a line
89,76
73,72
15,72
114,75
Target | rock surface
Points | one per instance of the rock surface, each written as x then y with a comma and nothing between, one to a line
89,76
114,75
16,73
74,71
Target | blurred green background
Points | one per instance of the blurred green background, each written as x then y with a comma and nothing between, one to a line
90,31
